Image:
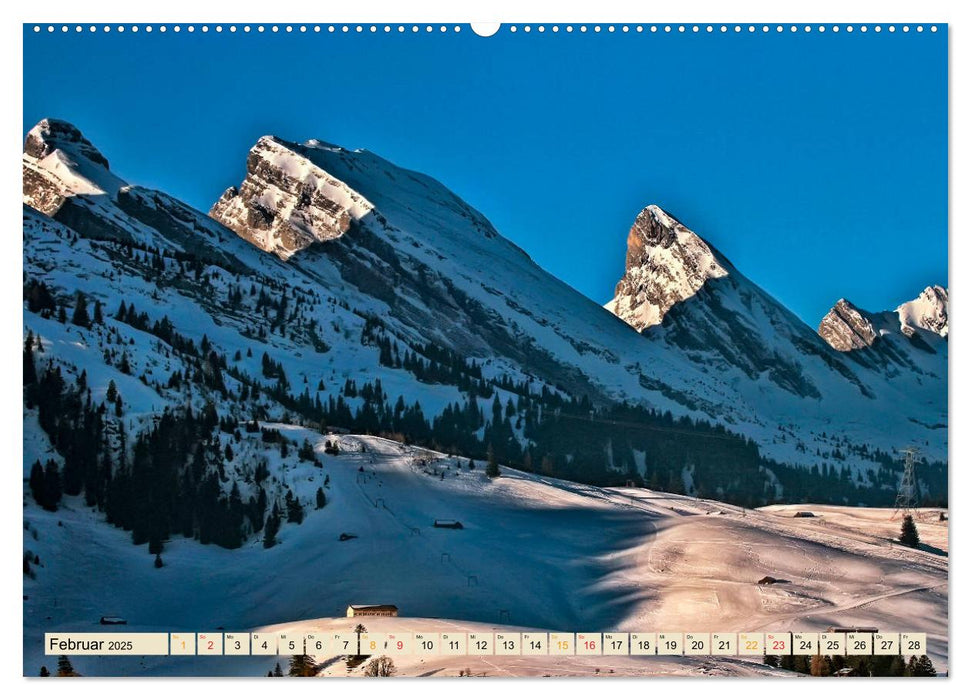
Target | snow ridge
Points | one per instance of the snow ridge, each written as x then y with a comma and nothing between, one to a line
928,311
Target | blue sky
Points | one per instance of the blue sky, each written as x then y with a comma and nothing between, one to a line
816,162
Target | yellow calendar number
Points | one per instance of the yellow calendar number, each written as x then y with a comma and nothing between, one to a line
182,644
751,644
561,643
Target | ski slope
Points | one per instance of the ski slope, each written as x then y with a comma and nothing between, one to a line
555,555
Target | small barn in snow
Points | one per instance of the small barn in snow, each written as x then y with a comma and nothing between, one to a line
372,610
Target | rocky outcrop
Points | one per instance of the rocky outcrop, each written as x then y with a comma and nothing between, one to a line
50,135
286,202
59,163
847,328
666,264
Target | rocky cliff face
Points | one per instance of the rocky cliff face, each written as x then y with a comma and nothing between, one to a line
923,321
845,328
59,163
53,134
666,264
286,202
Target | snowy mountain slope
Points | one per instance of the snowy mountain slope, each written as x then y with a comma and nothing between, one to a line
359,240
903,344
594,559
927,312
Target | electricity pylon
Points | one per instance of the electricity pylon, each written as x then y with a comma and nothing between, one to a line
907,493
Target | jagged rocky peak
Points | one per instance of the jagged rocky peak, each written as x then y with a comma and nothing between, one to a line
54,134
847,328
287,201
58,163
666,263
928,311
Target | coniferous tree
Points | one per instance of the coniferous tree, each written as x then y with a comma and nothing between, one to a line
30,371
492,467
271,528
37,489
321,498
898,667
294,509
921,666
52,486
98,312
277,671
302,666
908,532
64,667
821,666
44,673
80,316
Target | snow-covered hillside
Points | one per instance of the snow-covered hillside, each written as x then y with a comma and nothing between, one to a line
554,555
336,268
698,310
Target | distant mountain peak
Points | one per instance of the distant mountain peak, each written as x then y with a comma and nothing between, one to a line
847,327
928,311
666,263
59,162
55,134
287,201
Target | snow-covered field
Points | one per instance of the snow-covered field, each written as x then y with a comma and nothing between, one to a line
554,555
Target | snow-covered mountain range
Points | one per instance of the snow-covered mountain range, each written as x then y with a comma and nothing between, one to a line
342,267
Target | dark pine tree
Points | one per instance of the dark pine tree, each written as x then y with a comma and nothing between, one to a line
921,666
492,467
80,316
908,532
64,667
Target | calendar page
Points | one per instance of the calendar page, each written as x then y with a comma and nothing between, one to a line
357,350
